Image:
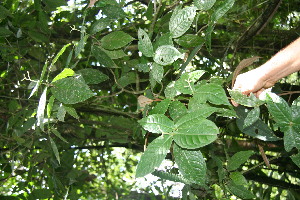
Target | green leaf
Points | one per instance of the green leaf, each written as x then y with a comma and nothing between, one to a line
252,117
291,137
165,39
71,90
189,40
154,155
185,84
59,54
170,176
166,55
41,194
52,5
279,109
4,13
170,91
81,44
116,40
55,132
126,79
100,25
50,106
157,123
41,109
61,113
71,111
38,37
161,107
156,73
92,76
144,43
296,159
55,150
177,110
115,54
102,57
181,21
191,164
238,178
240,191
204,4
195,133
65,73
213,93
258,129
238,159
4,32
114,12
222,10
249,101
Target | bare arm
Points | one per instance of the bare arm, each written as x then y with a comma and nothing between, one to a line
285,62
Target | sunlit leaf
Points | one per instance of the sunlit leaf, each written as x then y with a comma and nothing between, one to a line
65,73
166,55
41,109
185,84
161,107
157,123
144,44
61,113
204,4
191,164
115,40
222,10
177,110
59,54
154,155
213,93
50,106
156,73
100,25
249,101
252,117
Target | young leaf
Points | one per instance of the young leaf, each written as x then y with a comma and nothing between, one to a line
102,57
222,10
61,113
49,106
252,117
204,4
144,44
41,109
116,40
65,73
195,133
71,90
154,155
59,54
185,84
191,164
157,123
161,107
80,46
92,76
181,21
238,159
55,150
189,40
156,73
249,101
166,55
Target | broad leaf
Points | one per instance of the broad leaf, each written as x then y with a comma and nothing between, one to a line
116,40
170,91
144,44
238,178
240,191
157,123
55,150
166,55
222,10
165,39
195,133
252,117
191,164
65,73
100,25
40,194
238,159
59,54
177,110
204,4
161,107
92,76
185,84
71,90
291,137
154,155
102,57
189,40
156,73
296,159
116,54
71,111
213,93
181,21
61,113
249,101
55,132
4,32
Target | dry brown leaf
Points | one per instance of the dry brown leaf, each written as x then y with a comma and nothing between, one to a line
244,63
92,3
143,101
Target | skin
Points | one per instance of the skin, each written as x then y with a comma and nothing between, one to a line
284,63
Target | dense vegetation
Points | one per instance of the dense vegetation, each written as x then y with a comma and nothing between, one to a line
87,86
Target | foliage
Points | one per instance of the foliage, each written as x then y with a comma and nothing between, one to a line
85,86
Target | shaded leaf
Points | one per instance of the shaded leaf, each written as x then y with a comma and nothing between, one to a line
4,32
292,137
161,107
100,25
296,159
144,43
191,164
41,194
116,40
238,159
55,132
154,155
71,90
59,54
55,150
240,191
156,73
102,57
222,10
189,40
238,178
252,117
92,76
71,111
50,106
204,4
213,93
177,110
166,55
116,54
61,113
157,123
